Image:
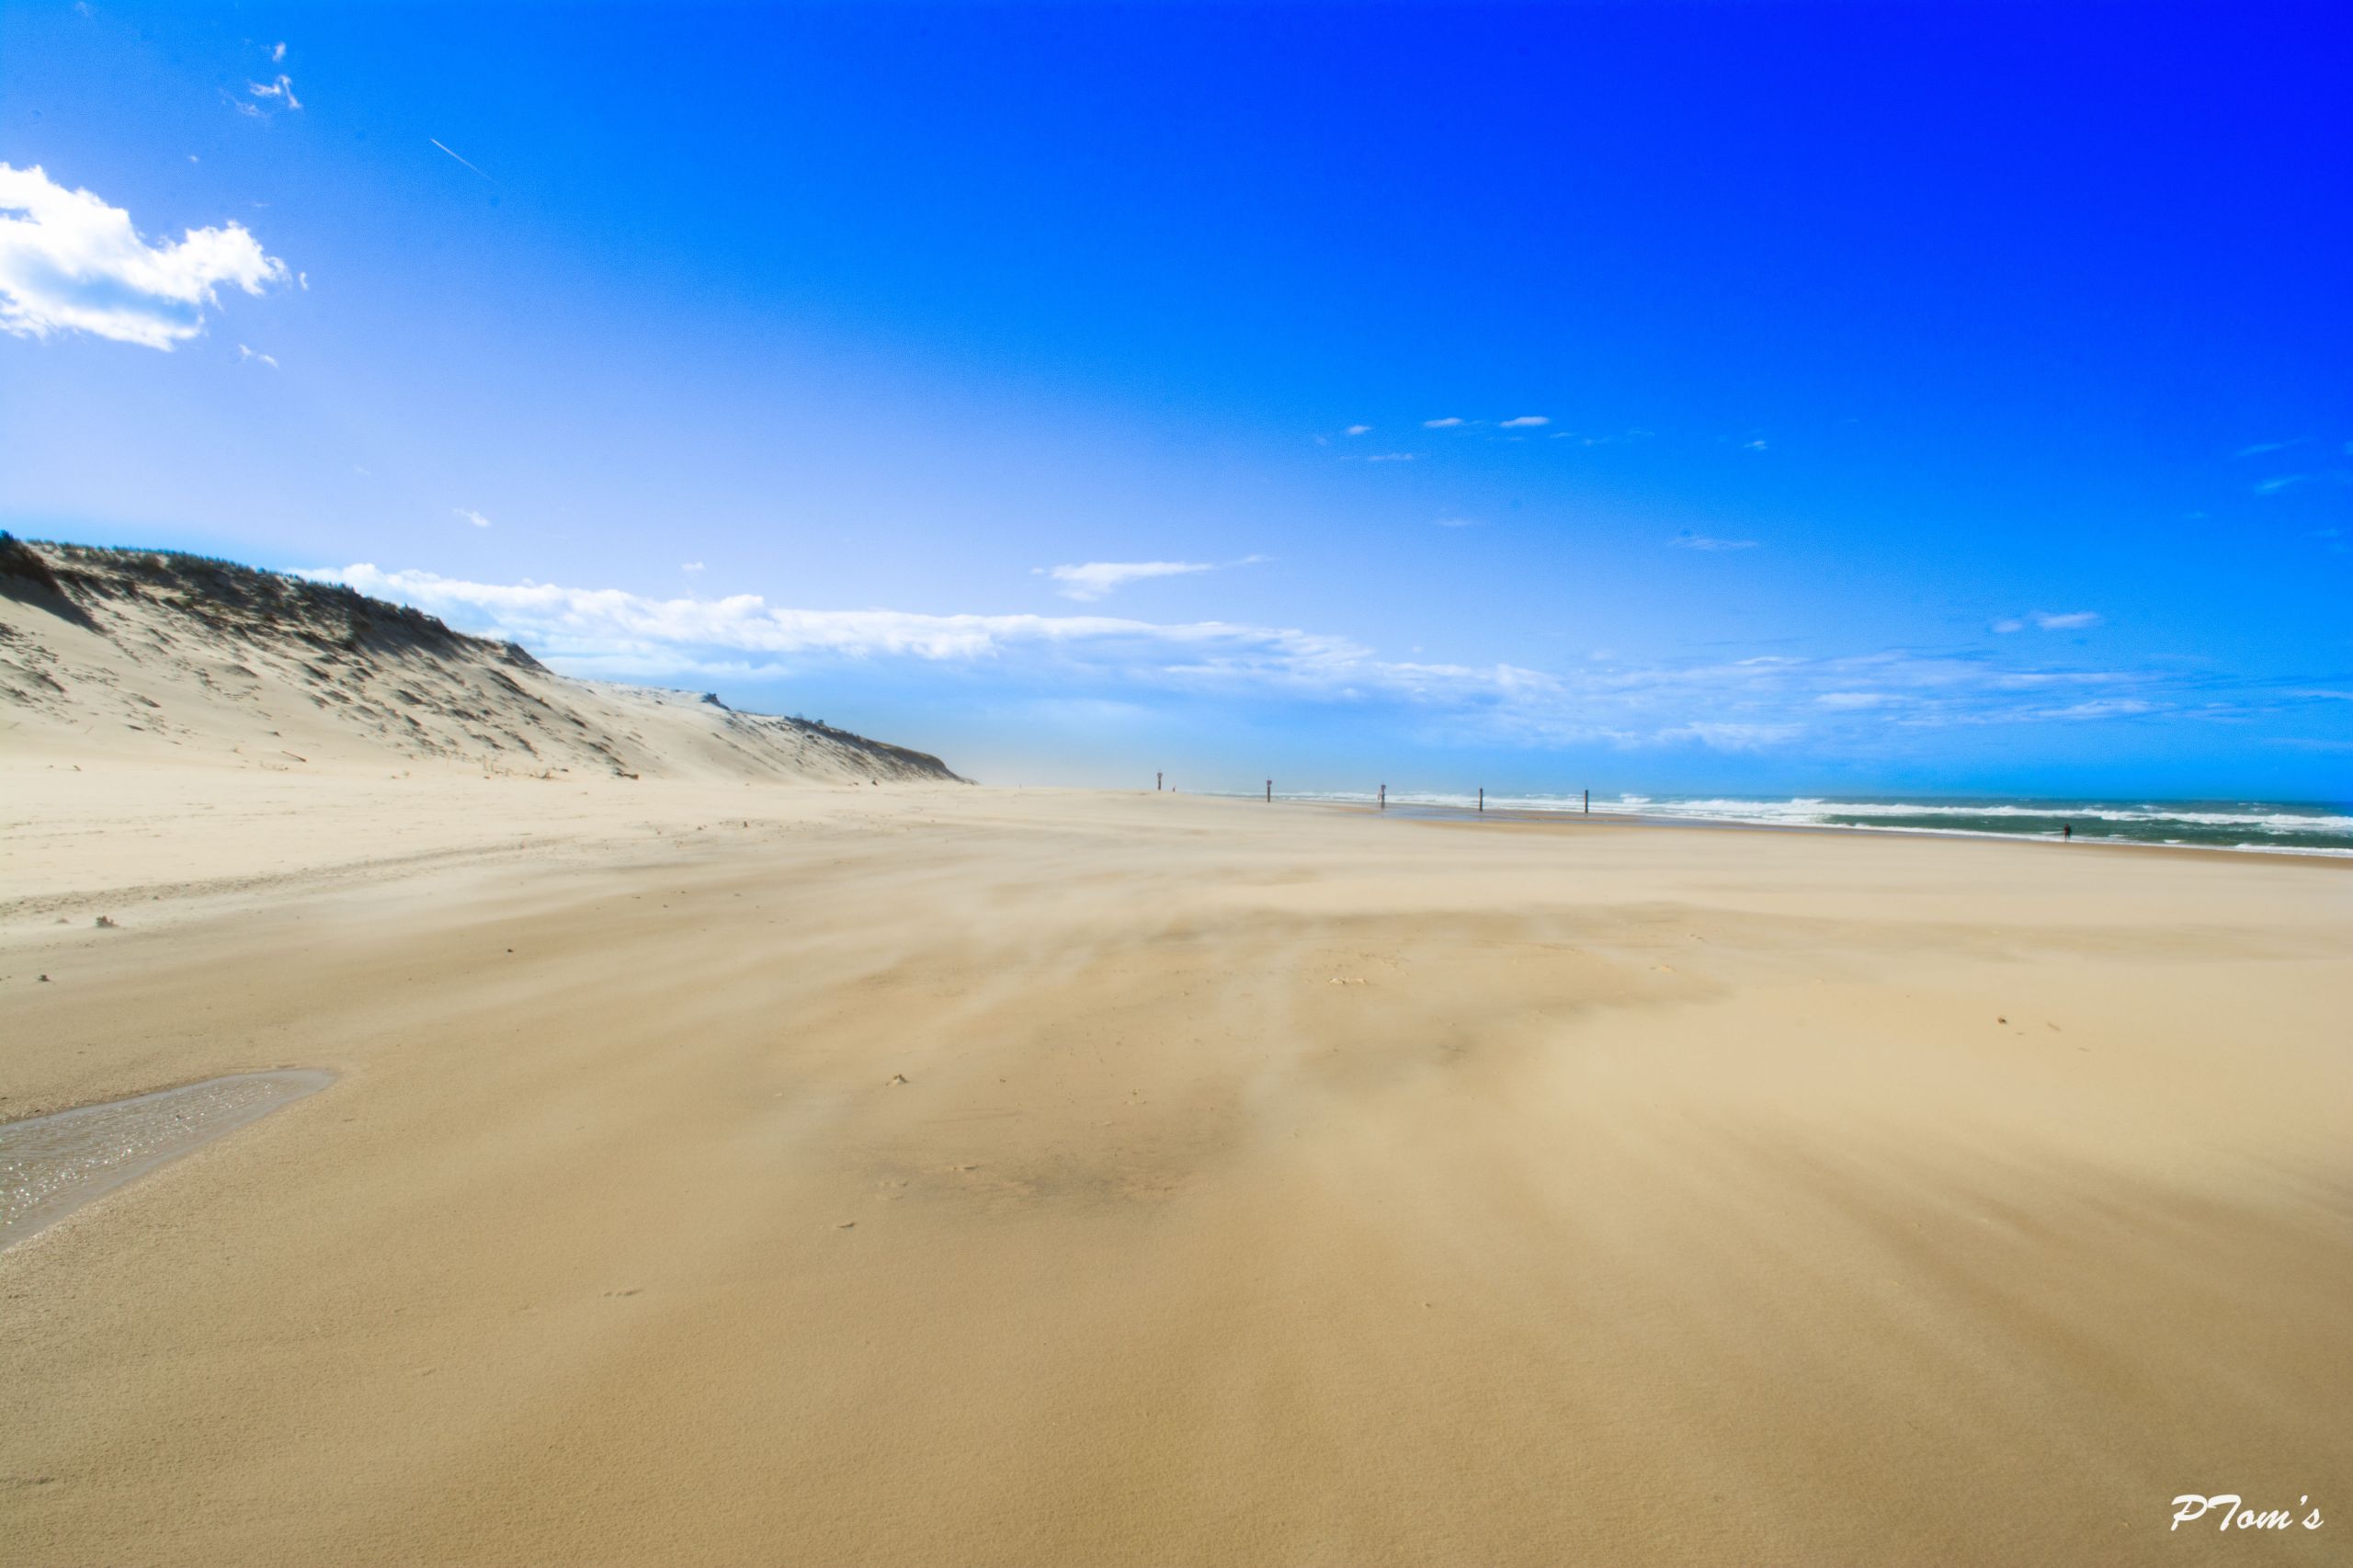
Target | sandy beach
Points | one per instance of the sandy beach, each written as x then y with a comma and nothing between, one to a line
917,1174
604,611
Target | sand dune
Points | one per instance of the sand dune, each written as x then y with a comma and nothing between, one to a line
923,1173
143,652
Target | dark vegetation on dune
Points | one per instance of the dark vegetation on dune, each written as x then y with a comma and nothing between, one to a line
243,602
392,675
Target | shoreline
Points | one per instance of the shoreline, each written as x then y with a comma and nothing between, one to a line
1522,815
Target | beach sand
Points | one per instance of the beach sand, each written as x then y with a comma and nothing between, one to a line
726,1173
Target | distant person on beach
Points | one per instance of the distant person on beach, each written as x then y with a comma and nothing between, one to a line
2066,830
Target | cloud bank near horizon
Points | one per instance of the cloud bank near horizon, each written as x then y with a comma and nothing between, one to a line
1734,704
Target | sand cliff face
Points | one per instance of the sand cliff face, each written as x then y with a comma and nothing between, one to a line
114,650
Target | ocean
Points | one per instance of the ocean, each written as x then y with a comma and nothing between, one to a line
2287,827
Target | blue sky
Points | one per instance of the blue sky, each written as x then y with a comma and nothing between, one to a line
1907,398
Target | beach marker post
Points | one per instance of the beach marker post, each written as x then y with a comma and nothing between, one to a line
1482,797
1270,792
1588,803
1384,797
1157,779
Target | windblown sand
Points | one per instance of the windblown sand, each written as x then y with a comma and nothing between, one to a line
920,1174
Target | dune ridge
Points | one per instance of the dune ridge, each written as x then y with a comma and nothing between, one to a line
182,657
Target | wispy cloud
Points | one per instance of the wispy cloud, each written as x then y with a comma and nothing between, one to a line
1526,422
690,567
1686,539
245,354
1458,522
1449,423
1393,456
1725,704
2100,708
283,90
71,263
2274,485
277,54
437,142
1100,579
1731,737
1584,438
1359,429
2258,448
470,515
2045,620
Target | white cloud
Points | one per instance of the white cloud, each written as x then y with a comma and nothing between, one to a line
2100,708
277,54
1756,446
1731,737
1393,456
1359,429
281,89
2258,448
1686,539
245,354
2071,620
1734,704
610,628
1526,422
2273,487
690,567
1099,579
1582,440
74,264
473,516
1449,423
1458,522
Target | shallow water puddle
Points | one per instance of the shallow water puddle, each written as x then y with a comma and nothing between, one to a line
51,1165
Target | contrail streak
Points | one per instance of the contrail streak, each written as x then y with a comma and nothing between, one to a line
436,141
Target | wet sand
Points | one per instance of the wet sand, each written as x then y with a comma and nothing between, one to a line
918,1176
51,1165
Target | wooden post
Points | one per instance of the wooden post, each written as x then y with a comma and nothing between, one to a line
1482,797
1157,779
1384,797
1270,792
1588,803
